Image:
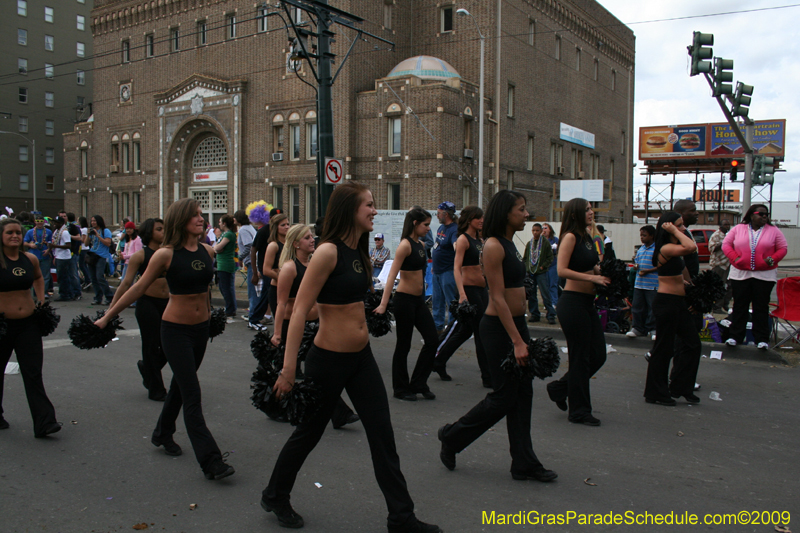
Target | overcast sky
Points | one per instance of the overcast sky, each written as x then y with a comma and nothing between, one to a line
764,47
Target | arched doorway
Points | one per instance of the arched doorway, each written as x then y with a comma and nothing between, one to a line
208,175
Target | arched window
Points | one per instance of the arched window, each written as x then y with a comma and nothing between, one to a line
211,152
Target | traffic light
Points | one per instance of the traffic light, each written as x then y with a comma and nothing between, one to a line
735,169
767,170
723,71
700,50
741,100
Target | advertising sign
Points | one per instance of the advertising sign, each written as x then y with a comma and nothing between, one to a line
712,195
203,177
668,142
591,190
577,136
768,138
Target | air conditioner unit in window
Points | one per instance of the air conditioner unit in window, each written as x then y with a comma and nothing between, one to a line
581,175
560,171
468,153
113,168
277,156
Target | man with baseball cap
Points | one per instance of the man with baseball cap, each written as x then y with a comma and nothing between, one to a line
444,254
379,254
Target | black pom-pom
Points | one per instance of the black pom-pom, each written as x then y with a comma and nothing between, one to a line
307,341
378,325
616,271
216,322
706,289
265,352
47,318
261,384
86,336
543,360
530,287
464,311
302,402
3,325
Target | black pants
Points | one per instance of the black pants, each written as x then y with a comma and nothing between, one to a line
672,319
148,315
257,313
511,398
745,292
587,351
409,312
24,338
460,332
184,347
358,374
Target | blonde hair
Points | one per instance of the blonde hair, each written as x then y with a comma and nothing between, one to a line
295,233
178,216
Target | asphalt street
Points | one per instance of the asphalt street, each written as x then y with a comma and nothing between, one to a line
101,474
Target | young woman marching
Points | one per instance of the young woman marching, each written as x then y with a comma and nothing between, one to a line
338,277
672,318
471,287
294,261
187,266
19,271
410,310
278,228
503,328
149,308
578,263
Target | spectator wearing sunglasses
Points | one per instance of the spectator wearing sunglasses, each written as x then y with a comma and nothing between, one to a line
754,249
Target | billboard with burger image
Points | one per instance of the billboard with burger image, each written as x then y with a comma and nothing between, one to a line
667,142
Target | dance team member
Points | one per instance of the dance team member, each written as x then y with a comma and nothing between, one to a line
502,327
338,277
673,318
293,264
188,266
471,287
19,271
410,309
578,263
149,308
278,227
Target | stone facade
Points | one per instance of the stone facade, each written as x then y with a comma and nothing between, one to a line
189,77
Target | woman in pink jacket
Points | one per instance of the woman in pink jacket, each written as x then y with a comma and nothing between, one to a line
754,248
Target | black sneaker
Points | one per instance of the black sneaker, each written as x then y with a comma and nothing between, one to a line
539,474
560,402
140,366
414,525
218,469
443,374
287,517
407,396
428,395
3,423
170,446
158,396
589,420
55,427
446,454
351,418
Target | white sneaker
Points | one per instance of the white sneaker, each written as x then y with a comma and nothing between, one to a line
632,334
257,327
229,320
763,345
725,323
730,342
654,336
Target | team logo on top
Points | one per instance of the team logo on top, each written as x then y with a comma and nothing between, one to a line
197,264
421,253
479,247
19,271
357,266
519,256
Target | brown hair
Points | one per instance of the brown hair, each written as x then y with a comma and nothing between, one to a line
574,219
3,223
468,214
273,226
340,220
178,216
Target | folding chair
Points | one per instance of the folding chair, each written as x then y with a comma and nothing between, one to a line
787,310
243,271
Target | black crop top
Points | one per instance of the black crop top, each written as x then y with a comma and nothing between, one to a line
513,267
301,271
190,272
584,256
347,283
472,257
18,275
148,254
673,267
416,260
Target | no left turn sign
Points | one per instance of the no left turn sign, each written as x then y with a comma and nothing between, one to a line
334,171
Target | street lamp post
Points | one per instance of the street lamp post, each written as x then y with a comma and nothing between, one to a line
464,12
33,155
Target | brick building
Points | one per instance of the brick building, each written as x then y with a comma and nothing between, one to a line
198,98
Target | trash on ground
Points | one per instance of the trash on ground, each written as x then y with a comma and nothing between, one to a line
680,433
590,484
140,526
192,506
716,354
610,348
318,485
714,396
12,368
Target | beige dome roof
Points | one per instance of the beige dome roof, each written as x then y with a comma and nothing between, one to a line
424,67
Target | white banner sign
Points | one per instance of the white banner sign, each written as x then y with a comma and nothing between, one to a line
202,177
577,136
591,190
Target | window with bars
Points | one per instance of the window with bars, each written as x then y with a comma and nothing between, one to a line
211,152
219,200
203,199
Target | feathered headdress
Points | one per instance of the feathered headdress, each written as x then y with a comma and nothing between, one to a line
259,212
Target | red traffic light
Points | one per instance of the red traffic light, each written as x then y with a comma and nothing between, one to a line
734,163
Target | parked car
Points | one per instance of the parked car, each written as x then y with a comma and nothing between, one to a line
701,237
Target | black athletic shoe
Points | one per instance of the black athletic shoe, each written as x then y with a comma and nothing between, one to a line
407,396
414,525
443,374
539,474
3,423
218,469
587,420
140,366
690,398
170,446
351,418
287,517
561,403
158,396
669,402
55,427
428,395
446,454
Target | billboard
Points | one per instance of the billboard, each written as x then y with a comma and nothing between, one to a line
709,141
713,195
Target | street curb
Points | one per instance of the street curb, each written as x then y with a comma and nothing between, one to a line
750,353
